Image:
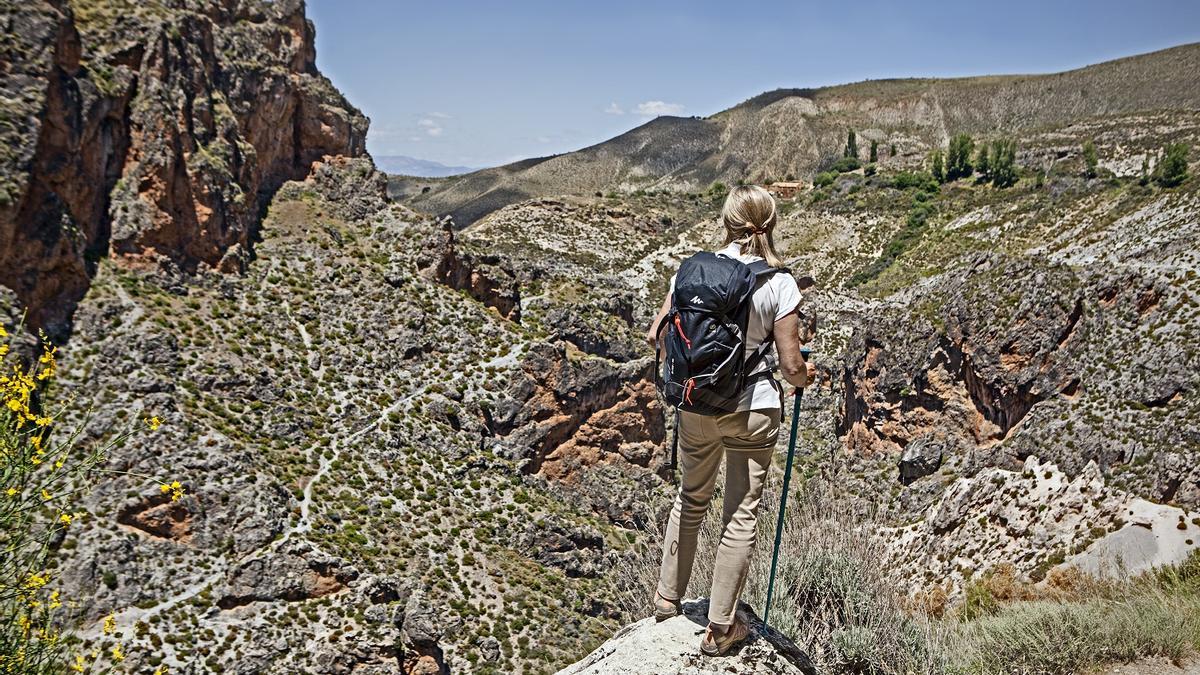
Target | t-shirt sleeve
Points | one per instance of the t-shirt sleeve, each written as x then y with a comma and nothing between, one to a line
788,294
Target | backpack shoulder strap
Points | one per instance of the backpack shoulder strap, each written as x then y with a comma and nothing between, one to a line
761,268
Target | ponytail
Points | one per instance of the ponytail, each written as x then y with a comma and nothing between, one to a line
749,217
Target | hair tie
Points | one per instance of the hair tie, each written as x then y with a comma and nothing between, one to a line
756,229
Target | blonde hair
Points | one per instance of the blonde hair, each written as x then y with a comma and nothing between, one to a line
749,217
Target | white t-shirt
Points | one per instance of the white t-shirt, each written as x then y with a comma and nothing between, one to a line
772,300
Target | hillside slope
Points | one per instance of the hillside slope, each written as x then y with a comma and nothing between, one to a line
799,131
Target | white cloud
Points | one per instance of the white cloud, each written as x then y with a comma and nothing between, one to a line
439,115
656,108
430,126
614,109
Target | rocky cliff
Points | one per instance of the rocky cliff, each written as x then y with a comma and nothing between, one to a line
154,131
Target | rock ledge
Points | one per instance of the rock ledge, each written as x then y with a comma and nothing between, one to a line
673,646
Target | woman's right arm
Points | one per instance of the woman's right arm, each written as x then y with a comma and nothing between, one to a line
792,365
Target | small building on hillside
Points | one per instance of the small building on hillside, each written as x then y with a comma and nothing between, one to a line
786,189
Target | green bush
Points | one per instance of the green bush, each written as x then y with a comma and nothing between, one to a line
845,164
1172,167
824,179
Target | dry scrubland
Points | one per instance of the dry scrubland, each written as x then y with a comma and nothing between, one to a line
405,445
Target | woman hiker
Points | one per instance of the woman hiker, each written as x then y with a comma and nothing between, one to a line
745,437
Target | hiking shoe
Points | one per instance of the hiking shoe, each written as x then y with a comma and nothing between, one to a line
664,608
716,644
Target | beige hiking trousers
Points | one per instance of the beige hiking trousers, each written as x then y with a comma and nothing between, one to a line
746,440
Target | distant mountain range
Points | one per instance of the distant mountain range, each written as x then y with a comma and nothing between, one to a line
798,132
411,166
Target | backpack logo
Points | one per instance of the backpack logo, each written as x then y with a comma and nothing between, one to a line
696,300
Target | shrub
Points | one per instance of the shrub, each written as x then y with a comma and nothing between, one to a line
40,472
1172,168
1090,159
824,179
845,164
918,179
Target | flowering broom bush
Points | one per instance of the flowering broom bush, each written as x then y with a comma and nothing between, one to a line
43,469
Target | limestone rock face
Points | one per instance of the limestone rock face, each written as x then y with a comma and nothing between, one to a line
673,646
158,133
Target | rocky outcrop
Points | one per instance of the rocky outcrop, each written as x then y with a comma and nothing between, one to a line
296,571
555,402
976,375
673,646
483,277
157,133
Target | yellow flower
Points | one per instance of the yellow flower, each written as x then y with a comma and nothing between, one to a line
153,422
11,492
174,487
43,421
80,664
110,624
161,670
3,333
117,654
55,603
65,518
35,581
46,495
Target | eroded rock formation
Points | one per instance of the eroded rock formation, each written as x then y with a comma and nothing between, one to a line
158,133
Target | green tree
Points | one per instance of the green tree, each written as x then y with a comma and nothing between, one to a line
851,145
1003,162
958,157
1172,169
1144,179
937,166
982,163
1090,159
874,151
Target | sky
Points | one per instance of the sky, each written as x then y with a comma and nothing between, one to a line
482,83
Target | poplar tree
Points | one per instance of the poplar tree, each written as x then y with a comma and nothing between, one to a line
1090,159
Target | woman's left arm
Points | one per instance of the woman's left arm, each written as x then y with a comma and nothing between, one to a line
652,331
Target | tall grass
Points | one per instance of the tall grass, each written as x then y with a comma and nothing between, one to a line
836,601
832,597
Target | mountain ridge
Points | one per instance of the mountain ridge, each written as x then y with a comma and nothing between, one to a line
799,131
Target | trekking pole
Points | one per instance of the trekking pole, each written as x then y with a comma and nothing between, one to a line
675,446
787,479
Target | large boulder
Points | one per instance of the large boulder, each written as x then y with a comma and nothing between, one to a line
673,646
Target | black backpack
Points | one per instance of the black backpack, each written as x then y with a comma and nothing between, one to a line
706,366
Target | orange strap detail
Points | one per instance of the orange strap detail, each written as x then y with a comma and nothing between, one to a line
679,327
